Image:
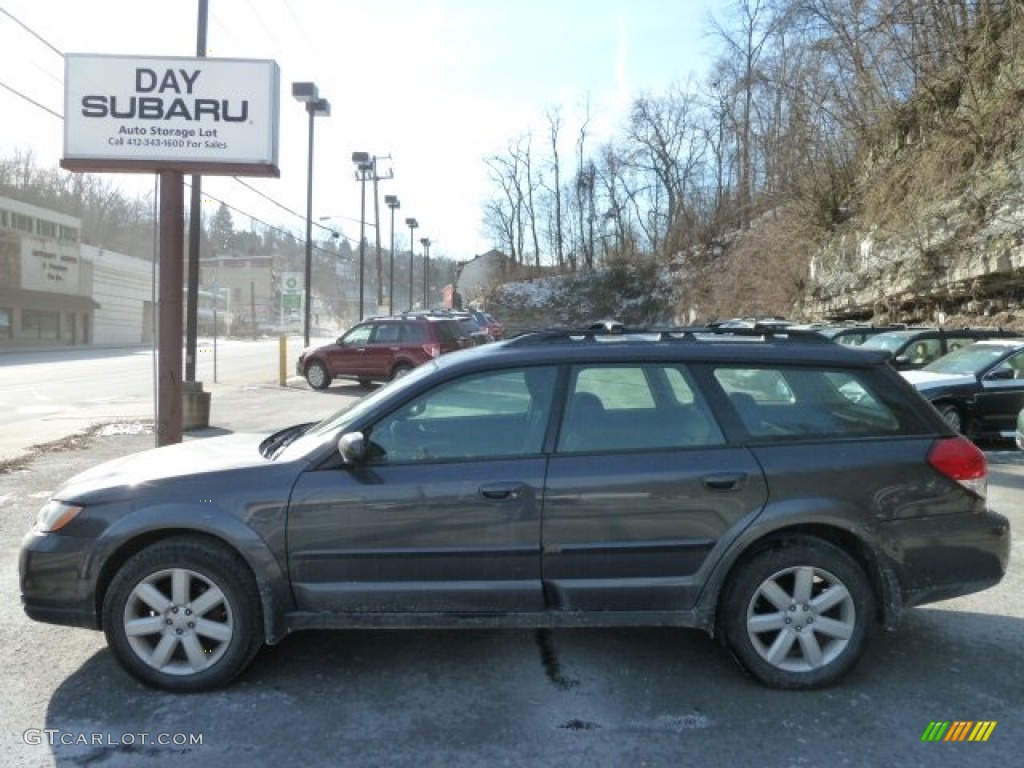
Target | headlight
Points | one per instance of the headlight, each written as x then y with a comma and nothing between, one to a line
55,515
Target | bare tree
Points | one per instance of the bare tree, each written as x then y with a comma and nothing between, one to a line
554,119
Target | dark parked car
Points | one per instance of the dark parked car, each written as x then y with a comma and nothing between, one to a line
854,335
978,389
381,349
913,348
784,493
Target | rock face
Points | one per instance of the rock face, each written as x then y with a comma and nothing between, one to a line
965,255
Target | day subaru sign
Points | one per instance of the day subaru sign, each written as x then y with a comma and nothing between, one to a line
198,115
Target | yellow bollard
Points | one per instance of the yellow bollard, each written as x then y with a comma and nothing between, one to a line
282,374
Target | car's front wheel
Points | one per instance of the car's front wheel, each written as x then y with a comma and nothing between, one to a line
797,615
183,615
317,376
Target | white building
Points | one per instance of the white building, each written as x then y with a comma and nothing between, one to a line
123,287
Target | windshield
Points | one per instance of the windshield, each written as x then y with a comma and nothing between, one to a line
890,342
968,360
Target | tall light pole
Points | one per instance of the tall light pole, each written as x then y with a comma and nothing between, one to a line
364,165
425,242
412,224
392,202
308,94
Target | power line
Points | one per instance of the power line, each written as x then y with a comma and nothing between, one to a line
31,31
244,184
260,221
30,100
286,208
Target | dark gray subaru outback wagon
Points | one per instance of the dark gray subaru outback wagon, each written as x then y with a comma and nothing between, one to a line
782,493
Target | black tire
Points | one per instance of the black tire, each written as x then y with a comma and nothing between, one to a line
317,375
812,629
365,383
199,640
951,413
400,370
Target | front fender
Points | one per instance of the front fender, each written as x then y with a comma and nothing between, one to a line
264,554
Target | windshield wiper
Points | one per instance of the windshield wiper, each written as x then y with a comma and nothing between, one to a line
274,444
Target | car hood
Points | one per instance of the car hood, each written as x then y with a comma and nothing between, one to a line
195,457
925,380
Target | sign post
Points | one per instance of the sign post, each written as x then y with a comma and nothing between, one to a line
171,116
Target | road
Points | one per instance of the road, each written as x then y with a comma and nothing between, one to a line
46,395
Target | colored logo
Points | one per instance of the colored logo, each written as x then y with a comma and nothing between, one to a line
958,730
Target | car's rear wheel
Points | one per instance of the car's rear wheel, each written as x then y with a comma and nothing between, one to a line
952,415
797,615
317,376
183,615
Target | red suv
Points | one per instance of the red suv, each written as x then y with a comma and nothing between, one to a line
381,349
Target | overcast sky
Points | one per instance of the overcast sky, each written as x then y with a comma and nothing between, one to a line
437,84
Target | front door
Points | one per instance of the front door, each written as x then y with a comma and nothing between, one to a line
445,514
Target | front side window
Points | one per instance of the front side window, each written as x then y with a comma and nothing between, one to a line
358,335
635,408
480,416
1010,368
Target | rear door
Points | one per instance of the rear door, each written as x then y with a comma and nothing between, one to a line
641,488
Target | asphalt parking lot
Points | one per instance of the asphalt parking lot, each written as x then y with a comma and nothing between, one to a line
638,697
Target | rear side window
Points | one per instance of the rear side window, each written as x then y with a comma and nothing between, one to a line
634,408
783,402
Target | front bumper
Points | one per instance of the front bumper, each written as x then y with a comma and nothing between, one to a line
54,587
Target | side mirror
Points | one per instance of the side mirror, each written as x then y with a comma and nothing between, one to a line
900,360
1001,374
352,447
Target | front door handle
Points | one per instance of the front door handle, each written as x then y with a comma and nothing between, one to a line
725,481
497,491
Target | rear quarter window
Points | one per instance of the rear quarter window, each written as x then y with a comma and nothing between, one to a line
780,402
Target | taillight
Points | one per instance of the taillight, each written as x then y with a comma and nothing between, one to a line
959,459
432,349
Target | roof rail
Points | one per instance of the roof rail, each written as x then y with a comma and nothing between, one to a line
666,333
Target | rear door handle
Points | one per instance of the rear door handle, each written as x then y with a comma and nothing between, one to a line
725,481
498,491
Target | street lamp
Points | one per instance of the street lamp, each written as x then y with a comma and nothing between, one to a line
392,202
365,164
412,224
425,242
308,94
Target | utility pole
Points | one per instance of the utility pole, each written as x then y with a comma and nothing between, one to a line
376,224
195,225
